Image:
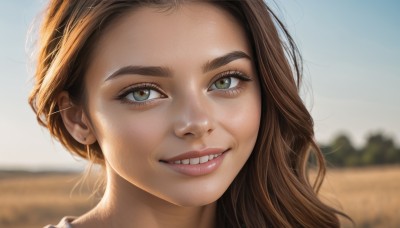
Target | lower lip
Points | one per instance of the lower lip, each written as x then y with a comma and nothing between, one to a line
199,169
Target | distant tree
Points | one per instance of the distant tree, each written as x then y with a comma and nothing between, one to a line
340,152
379,149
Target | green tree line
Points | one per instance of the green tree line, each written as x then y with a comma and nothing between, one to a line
378,149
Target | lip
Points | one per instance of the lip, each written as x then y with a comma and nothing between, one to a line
198,169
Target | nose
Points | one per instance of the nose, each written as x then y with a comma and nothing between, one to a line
193,120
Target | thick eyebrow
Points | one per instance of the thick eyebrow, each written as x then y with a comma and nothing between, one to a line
225,59
142,70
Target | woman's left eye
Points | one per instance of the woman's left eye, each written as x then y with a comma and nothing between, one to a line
229,80
225,83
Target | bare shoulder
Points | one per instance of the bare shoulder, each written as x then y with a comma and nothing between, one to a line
91,219
84,221
64,223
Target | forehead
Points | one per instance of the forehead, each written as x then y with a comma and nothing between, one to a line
149,35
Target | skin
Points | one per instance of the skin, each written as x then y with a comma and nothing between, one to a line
187,112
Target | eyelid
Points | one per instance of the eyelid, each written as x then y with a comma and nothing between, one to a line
230,73
146,85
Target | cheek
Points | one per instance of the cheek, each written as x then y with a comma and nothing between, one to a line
131,136
242,120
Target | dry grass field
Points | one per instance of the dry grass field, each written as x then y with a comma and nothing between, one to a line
37,199
371,196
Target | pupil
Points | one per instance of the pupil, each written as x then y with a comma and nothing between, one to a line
141,95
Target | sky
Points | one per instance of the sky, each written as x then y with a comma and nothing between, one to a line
351,64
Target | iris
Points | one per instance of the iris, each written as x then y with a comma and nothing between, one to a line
223,83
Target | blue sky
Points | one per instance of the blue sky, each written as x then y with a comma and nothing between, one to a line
351,54
352,74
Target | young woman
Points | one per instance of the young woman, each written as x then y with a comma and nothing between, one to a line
191,107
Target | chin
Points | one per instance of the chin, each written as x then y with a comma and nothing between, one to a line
196,200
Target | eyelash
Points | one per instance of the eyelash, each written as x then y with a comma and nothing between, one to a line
152,86
138,87
231,74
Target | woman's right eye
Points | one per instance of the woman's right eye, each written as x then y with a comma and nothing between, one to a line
141,94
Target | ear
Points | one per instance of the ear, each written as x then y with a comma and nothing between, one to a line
75,120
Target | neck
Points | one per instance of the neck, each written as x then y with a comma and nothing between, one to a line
125,205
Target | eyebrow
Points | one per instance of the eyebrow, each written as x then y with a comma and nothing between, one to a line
224,60
166,72
142,70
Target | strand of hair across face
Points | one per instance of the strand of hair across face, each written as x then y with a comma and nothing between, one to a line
59,111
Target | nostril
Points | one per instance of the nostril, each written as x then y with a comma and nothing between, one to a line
195,126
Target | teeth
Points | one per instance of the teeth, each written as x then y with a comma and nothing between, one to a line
200,160
204,159
194,161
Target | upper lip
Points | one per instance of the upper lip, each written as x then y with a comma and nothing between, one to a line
195,154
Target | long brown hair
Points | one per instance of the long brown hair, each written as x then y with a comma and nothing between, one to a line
272,189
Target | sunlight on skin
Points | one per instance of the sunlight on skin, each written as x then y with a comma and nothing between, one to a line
176,79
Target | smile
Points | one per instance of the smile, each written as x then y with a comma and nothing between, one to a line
198,160
196,163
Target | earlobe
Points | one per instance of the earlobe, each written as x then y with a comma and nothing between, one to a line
75,120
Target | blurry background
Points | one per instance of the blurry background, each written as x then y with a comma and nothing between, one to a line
23,143
352,73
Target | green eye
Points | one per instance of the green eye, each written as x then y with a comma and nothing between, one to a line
141,95
223,83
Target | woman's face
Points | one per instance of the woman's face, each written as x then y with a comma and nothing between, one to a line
174,101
